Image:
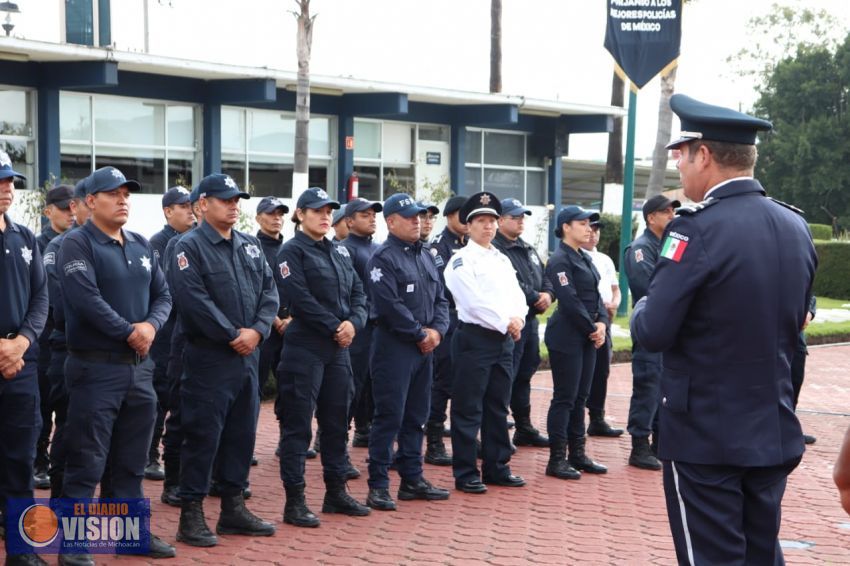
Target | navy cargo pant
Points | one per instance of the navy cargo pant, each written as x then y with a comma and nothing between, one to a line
646,387
480,395
218,414
526,360
441,389
162,385
111,412
20,424
401,389
59,401
307,383
599,385
361,402
572,371
269,359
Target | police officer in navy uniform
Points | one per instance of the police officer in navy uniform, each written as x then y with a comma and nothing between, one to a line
115,300
453,237
411,313
58,211
179,219
360,216
573,334
491,311
328,308
426,221
725,306
23,287
340,228
226,299
538,295
639,261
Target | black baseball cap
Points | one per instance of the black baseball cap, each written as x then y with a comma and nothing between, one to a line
429,207
60,196
573,212
316,197
175,195
453,205
403,204
361,205
658,202
220,186
270,204
513,207
108,179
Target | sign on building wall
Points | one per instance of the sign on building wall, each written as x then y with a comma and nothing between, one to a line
643,36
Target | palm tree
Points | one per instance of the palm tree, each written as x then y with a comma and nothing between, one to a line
495,45
300,174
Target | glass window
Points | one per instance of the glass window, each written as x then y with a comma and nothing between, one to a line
127,120
369,186
144,165
14,113
504,149
472,180
74,166
16,133
535,188
320,137
75,117
21,154
180,165
428,132
271,132
232,130
234,165
181,126
398,143
399,180
79,22
504,183
472,146
367,140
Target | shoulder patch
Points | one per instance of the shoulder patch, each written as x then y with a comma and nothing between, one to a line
182,261
457,262
562,278
638,255
438,260
674,246
692,209
343,251
49,258
788,206
284,270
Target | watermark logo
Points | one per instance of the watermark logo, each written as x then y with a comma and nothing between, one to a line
71,526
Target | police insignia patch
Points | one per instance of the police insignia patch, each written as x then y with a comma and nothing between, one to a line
26,253
182,261
376,274
117,174
74,266
343,251
49,258
534,259
321,193
438,259
230,182
434,252
284,270
252,250
146,263
638,255
484,199
562,279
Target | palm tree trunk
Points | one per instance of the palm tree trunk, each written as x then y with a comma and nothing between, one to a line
662,137
300,173
614,164
495,45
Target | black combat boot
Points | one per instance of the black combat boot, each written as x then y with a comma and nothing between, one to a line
421,489
56,479
558,466
525,434
599,427
24,560
41,480
642,456
171,486
337,500
295,511
317,442
579,460
235,519
361,436
193,529
435,451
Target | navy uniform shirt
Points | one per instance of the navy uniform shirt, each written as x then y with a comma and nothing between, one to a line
23,286
54,288
323,289
160,240
360,249
639,261
576,284
107,287
271,247
529,269
45,237
406,291
445,244
725,306
221,285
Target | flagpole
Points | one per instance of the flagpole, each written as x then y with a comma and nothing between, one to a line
628,197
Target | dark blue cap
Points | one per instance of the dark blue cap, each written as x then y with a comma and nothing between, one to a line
338,215
573,212
701,121
403,204
429,207
315,197
6,170
194,195
658,202
270,204
478,204
60,195
220,186
81,188
108,179
361,204
513,207
453,205
175,195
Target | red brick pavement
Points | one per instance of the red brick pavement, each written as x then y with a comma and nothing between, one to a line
618,518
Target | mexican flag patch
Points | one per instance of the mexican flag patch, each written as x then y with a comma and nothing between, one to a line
674,246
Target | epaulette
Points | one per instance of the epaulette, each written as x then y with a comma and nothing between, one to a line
692,209
788,206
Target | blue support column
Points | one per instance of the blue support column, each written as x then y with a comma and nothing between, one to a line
554,196
457,159
212,138
49,160
345,162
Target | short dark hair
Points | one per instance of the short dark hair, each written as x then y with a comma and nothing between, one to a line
727,154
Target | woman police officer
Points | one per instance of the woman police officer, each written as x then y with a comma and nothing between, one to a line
573,333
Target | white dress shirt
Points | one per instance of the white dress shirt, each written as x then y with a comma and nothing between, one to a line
607,275
485,288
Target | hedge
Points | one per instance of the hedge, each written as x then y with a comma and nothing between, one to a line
821,231
609,238
833,275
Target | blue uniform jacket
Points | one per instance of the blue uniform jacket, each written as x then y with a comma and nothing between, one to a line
575,282
220,285
47,235
444,245
727,312
529,269
360,250
639,260
323,289
54,288
160,240
107,287
406,291
23,285
271,247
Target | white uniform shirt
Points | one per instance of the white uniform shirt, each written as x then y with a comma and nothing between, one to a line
485,288
607,275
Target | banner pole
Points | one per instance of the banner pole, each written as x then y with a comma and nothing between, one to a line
628,198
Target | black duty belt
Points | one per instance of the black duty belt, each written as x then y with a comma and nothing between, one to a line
102,356
479,330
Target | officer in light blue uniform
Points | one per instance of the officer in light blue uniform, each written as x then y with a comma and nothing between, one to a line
226,300
115,300
412,316
725,305
23,288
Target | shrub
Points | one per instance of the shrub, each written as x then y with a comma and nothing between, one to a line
833,275
821,231
609,239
